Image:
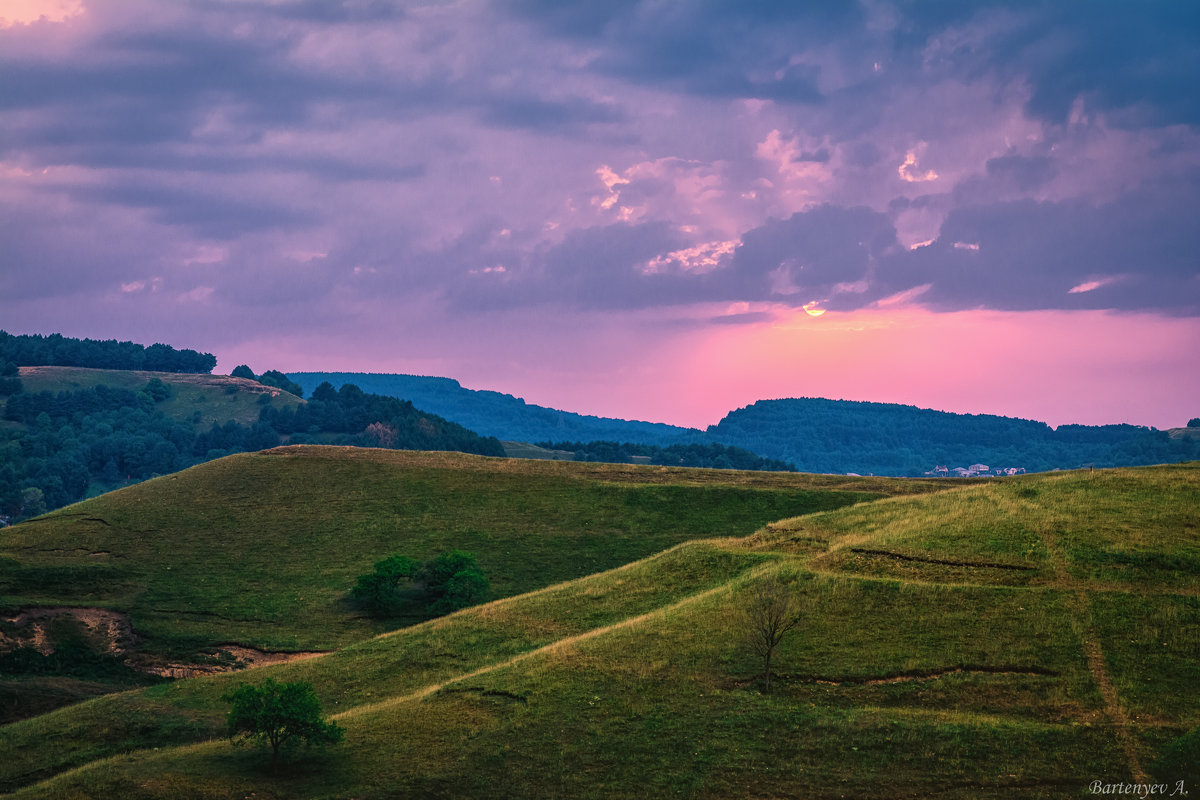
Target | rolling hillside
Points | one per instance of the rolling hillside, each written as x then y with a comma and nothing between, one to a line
1015,638
261,549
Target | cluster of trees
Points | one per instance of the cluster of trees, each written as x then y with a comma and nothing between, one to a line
400,585
63,351
271,377
837,436
373,420
10,380
101,438
717,456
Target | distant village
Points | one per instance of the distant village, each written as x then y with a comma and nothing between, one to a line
973,471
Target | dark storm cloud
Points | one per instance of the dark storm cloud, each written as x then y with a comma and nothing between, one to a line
146,91
818,248
1139,60
333,11
208,214
707,48
1026,172
466,151
536,113
1136,60
43,257
601,267
623,266
1138,252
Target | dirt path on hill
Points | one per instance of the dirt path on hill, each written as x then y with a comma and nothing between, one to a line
1082,606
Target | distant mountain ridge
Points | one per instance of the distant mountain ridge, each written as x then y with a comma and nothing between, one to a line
814,434
504,416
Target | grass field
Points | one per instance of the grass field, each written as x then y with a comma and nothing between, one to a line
1019,638
261,549
200,400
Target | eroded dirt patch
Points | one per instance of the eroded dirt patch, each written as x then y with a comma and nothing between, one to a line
31,628
225,658
111,632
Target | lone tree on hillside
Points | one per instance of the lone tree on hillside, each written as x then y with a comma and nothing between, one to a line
278,713
1194,422
771,611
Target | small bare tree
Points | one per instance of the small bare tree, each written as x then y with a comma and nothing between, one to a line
770,613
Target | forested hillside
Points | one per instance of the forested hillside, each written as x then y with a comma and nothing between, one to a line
501,415
97,430
820,435
809,434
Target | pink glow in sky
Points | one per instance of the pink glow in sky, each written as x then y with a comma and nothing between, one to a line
635,210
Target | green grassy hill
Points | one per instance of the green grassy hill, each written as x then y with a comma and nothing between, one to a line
260,550
1019,638
199,400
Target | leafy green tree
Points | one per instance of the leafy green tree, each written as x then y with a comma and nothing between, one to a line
384,592
278,714
33,503
325,393
158,390
453,580
1194,422
10,381
243,371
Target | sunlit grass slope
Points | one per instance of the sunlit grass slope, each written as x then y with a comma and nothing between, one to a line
199,400
261,549
1014,639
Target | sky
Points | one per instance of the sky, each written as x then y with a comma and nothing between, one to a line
649,209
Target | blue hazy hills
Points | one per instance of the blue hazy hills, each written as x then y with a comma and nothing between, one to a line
813,434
